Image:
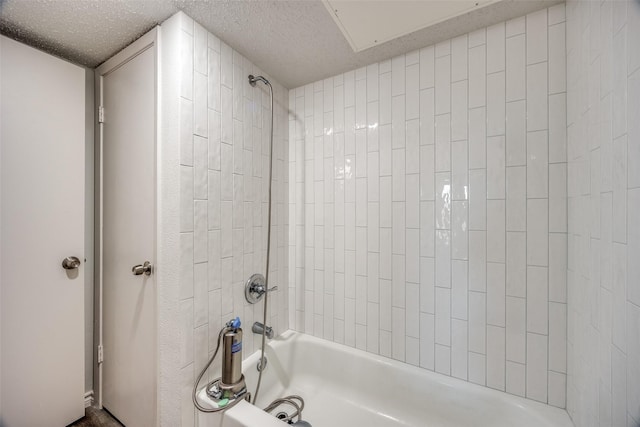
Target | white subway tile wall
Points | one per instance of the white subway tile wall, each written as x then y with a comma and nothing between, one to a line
603,128
430,207
224,160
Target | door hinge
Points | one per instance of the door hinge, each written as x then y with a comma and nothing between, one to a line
100,354
101,114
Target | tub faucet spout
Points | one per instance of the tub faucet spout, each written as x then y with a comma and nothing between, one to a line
258,327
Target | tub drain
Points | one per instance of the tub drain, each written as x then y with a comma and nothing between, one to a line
282,415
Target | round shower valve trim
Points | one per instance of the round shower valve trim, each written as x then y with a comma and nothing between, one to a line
255,288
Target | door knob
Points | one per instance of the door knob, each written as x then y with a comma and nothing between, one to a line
70,263
142,269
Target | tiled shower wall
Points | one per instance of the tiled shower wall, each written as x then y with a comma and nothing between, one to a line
428,207
603,115
224,160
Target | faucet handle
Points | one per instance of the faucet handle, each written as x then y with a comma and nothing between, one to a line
256,287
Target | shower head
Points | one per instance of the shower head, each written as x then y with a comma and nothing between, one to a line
253,80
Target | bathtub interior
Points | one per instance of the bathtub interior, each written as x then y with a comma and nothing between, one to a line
345,386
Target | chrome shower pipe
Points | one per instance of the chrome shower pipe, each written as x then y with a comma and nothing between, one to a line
253,81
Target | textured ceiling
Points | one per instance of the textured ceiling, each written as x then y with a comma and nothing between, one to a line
296,41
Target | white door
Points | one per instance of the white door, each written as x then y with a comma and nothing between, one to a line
128,234
42,167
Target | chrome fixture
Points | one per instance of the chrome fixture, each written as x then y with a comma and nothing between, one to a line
70,263
258,328
298,404
140,269
256,288
253,80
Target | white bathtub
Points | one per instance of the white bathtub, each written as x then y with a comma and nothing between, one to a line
342,386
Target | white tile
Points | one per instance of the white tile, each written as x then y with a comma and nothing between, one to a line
496,231
427,116
443,201
398,177
385,150
443,143
413,258
385,98
557,59
186,328
412,355
427,285
186,132
556,14
633,111
477,199
459,58
477,368
200,169
515,26
427,172
226,129
398,334
398,75
214,140
515,76
186,265
477,261
186,198
496,167
226,64
443,359
186,61
398,121
443,84
537,232
412,92
558,267
443,258
398,281
557,128
496,103
557,384
201,41
537,104
427,67
537,36
200,294
412,57
516,376
413,146
477,322
412,310
459,232
477,75
459,111
537,296
443,316
633,246
537,165
427,229
361,104
496,357
477,138
516,329
459,349
495,48
558,337
459,289
516,198
477,37
427,341
558,197
537,367
496,294
516,264
459,171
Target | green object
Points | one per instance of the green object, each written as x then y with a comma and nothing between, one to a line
223,402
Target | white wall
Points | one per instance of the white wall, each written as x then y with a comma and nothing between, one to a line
429,197
603,117
220,125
